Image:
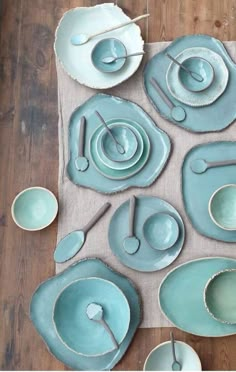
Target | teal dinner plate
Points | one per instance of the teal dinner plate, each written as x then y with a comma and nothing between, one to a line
181,297
146,258
197,189
41,311
109,47
110,108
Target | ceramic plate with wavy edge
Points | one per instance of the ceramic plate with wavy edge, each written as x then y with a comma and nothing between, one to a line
209,95
198,188
181,297
110,107
42,305
76,60
210,118
146,259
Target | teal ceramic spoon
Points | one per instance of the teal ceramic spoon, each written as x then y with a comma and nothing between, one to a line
81,162
200,165
95,313
131,243
73,242
176,366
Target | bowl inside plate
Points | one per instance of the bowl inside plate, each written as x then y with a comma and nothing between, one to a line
220,298
200,66
108,48
34,208
74,328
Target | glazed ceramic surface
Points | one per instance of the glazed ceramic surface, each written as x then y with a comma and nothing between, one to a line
210,118
146,258
82,334
160,358
219,296
34,208
200,66
110,47
181,297
76,60
222,207
111,108
197,189
41,309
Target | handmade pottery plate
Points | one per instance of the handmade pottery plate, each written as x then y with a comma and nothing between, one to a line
146,258
41,309
160,358
110,107
76,60
205,119
197,189
181,297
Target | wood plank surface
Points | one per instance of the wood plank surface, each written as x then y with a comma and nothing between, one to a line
29,157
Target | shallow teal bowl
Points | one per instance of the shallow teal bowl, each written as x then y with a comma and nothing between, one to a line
202,67
161,231
161,359
34,208
220,296
108,48
82,335
222,207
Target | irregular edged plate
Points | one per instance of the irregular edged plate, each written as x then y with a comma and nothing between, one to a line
198,188
41,308
210,118
111,107
146,258
181,297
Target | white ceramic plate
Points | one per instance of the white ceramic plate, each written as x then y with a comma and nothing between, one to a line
76,60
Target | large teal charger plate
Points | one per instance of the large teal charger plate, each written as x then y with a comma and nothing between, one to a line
41,310
181,297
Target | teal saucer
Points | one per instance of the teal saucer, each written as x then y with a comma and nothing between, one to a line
108,48
200,66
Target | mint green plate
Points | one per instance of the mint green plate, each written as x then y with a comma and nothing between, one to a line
41,310
181,297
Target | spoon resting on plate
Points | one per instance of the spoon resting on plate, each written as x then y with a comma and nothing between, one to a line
176,366
112,59
194,75
131,243
81,162
200,165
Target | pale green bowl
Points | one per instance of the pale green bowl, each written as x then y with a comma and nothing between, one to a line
34,208
108,48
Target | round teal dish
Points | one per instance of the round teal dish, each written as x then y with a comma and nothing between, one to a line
34,208
219,296
160,358
108,48
161,231
200,66
82,335
222,207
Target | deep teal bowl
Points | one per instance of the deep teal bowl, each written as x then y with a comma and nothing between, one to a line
108,48
202,67
34,208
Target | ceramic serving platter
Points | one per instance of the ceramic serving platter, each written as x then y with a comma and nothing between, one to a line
146,258
76,60
181,297
42,304
198,188
214,117
111,107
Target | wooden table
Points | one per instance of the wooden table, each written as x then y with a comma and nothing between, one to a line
29,156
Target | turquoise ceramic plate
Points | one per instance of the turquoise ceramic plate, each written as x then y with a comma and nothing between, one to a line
197,189
41,309
110,108
210,118
146,258
181,297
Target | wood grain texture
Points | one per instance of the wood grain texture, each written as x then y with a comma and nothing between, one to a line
29,156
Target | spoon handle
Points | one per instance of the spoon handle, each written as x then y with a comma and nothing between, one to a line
119,147
81,136
220,163
120,25
96,217
173,346
164,97
130,55
109,331
131,215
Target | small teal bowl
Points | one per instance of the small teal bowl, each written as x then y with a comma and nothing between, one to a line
34,208
222,207
108,48
202,67
126,137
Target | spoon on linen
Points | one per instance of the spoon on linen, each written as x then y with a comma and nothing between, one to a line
95,312
112,59
74,241
81,39
81,162
194,75
176,366
200,165
131,243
